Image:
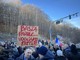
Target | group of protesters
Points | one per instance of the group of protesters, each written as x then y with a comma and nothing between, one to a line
44,51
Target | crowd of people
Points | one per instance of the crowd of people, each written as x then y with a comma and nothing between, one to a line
44,51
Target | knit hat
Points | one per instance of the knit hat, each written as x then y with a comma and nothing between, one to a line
59,53
35,54
42,50
74,49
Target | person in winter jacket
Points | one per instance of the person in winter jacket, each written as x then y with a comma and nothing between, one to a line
60,55
45,53
74,54
27,55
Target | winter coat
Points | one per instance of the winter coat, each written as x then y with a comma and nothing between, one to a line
60,58
74,56
10,59
48,56
66,52
22,57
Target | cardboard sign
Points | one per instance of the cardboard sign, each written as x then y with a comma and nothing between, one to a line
27,35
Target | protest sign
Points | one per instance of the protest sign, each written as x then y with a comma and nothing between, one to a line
27,35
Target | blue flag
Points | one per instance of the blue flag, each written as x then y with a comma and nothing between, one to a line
57,41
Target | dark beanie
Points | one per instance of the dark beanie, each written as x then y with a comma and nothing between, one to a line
74,49
35,54
42,50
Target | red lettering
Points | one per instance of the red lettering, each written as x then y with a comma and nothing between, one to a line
27,34
28,41
35,41
24,43
35,29
31,28
28,28
23,27
21,39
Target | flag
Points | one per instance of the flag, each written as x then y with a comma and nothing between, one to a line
57,41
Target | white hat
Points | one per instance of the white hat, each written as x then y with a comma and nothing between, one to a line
59,53
40,44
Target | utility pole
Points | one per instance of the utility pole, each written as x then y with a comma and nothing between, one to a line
50,31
